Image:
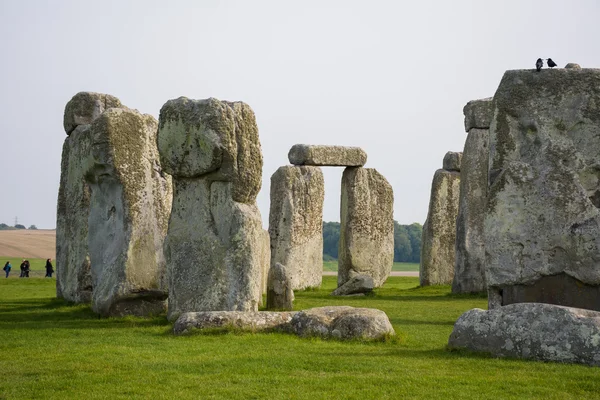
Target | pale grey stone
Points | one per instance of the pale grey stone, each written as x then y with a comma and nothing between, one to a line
265,261
358,284
319,155
366,244
254,321
342,322
542,225
469,268
214,139
452,161
296,223
572,66
280,295
85,107
129,210
439,230
478,114
532,331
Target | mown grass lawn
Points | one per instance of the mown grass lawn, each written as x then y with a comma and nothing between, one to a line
398,266
49,349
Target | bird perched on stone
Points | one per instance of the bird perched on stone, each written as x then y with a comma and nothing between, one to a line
551,63
539,64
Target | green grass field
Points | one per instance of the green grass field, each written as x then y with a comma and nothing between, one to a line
333,266
53,350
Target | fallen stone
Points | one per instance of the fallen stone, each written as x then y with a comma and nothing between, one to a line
296,223
280,295
342,322
334,156
129,212
257,321
452,161
469,268
572,66
85,107
359,284
542,224
366,244
534,331
478,114
439,230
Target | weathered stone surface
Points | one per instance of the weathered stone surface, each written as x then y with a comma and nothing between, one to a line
280,295
257,321
367,226
452,161
73,269
342,322
573,66
542,215
265,260
129,210
439,230
469,268
335,156
85,107
214,139
296,223
478,114
355,285
533,331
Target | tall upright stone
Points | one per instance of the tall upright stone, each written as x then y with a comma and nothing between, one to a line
542,225
215,237
73,268
469,268
366,244
296,223
439,230
129,209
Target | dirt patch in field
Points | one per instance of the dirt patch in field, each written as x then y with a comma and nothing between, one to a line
25,243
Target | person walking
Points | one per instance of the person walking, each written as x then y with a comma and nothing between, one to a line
49,269
7,268
22,267
27,268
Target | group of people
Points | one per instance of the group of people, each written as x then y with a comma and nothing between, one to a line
26,268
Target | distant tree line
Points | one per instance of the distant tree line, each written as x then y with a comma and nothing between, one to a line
4,227
407,241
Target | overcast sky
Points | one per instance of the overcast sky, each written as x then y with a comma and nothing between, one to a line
389,76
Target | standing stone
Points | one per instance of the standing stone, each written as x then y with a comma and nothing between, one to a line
129,209
73,269
439,230
214,245
296,223
469,268
265,261
334,156
367,226
542,226
280,295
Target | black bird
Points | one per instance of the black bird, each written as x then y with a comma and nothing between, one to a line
539,64
551,63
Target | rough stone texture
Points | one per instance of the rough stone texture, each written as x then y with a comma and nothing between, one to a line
129,209
478,114
85,107
265,260
469,268
214,139
342,322
531,330
280,295
296,223
439,230
542,215
215,244
335,156
452,161
258,321
573,66
73,269
357,284
366,244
